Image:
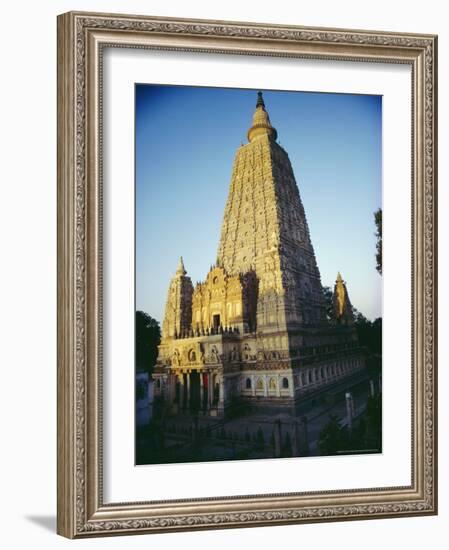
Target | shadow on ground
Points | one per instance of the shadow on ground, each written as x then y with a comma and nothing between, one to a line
46,522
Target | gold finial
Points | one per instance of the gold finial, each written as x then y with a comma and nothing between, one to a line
261,122
340,296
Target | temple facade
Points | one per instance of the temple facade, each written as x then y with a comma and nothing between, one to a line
257,331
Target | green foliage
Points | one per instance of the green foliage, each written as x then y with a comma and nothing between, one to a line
148,337
331,437
378,222
365,435
370,335
374,422
359,318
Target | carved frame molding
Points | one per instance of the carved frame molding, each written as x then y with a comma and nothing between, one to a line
81,38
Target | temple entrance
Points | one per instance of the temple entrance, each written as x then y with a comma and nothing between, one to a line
195,400
194,392
216,321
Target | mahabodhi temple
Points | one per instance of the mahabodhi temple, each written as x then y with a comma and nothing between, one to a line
256,332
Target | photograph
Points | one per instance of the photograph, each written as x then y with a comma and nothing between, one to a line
258,274
247,282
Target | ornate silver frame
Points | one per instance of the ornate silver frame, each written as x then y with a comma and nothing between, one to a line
81,510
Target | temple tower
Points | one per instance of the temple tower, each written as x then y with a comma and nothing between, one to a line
265,229
342,308
178,308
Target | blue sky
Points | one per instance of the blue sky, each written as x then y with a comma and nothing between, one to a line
186,139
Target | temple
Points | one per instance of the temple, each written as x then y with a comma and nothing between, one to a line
257,332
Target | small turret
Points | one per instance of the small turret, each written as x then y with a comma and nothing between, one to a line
178,309
181,269
342,308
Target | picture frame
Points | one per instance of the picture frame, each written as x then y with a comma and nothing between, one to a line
82,40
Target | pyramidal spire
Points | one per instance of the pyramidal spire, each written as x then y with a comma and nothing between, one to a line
261,122
263,192
181,269
342,305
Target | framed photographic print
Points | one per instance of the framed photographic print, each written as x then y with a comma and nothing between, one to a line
246,274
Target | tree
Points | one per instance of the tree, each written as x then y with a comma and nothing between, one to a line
378,222
330,438
370,334
148,337
374,422
359,318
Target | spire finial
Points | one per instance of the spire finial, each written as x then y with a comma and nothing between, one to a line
261,122
181,269
260,102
